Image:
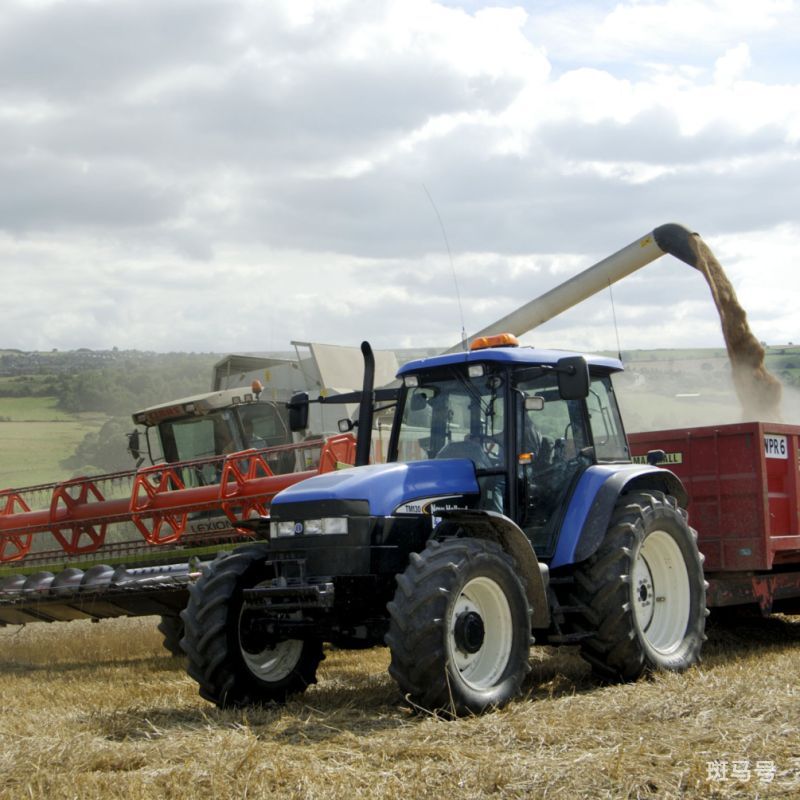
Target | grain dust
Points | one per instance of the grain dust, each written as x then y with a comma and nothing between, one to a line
759,391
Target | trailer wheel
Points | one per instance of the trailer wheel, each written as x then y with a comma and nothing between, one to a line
230,672
643,591
171,628
460,628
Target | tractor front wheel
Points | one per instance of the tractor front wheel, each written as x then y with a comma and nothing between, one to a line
460,628
231,668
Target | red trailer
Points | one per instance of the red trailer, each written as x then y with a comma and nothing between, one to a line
743,482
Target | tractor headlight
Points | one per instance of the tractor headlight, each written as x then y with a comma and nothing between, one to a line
282,529
325,525
310,527
335,525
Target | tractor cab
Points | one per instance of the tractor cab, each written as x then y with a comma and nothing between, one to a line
530,421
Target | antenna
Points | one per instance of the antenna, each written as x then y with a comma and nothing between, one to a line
614,315
453,267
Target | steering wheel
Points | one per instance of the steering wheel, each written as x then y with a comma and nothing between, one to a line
491,446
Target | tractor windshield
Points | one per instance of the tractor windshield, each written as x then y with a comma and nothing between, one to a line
452,415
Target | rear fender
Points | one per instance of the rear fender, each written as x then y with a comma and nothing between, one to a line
498,528
592,504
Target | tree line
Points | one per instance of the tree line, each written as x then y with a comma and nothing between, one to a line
119,391
118,387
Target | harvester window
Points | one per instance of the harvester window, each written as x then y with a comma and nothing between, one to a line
197,438
194,438
264,426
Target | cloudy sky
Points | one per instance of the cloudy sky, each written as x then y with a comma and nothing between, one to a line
229,175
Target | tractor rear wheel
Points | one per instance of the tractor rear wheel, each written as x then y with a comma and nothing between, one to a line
643,591
230,671
460,628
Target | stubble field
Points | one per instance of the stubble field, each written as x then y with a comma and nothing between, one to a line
102,711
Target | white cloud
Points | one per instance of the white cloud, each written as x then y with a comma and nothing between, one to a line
685,26
232,175
732,65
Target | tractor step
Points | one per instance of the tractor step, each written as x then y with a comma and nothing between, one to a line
290,598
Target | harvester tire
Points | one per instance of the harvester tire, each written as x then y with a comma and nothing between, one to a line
460,628
229,674
171,628
643,591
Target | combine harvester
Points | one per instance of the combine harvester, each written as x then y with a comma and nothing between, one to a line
248,406
128,543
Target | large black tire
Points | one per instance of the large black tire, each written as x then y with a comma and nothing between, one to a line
643,591
229,674
460,628
171,628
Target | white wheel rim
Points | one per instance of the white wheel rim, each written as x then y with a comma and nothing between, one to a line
483,668
661,595
275,662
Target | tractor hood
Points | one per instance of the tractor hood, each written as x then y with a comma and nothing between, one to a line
387,488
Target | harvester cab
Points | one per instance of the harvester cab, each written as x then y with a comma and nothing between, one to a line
248,408
213,424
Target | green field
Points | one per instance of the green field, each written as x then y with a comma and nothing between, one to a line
35,437
33,409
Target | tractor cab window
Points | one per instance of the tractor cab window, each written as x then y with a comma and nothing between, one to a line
452,415
552,448
607,433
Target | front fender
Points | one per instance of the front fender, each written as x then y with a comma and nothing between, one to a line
499,528
592,504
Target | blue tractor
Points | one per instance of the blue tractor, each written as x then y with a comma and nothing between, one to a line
508,511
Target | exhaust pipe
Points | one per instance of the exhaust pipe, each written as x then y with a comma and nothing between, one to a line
365,408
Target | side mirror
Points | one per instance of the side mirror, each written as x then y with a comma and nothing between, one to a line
655,457
534,403
573,377
298,412
345,425
419,402
134,448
